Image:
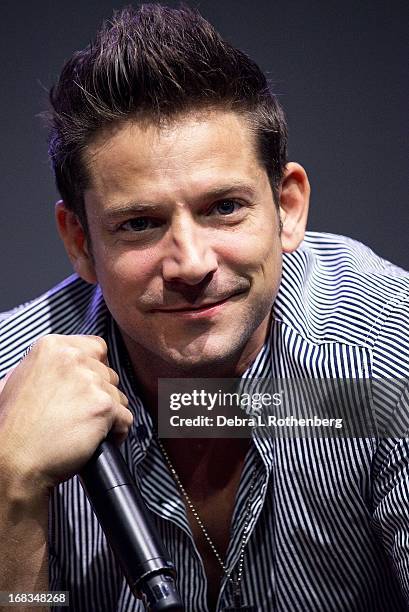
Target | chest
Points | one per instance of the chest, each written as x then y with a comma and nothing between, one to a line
215,514
210,483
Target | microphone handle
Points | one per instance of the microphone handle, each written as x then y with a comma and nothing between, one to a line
129,529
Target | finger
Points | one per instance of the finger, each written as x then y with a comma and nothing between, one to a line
93,345
104,371
112,376
123,400
119,438
122,424
116,394
63,346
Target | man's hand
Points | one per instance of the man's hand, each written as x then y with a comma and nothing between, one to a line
56,406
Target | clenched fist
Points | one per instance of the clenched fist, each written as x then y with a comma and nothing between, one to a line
56,406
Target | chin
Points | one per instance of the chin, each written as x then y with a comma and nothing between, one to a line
191,359
202,361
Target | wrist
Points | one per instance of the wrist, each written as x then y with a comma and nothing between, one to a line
22,491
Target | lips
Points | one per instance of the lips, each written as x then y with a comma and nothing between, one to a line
188,308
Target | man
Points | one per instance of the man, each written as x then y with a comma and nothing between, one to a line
178,204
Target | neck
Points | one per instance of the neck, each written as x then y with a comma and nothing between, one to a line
206,465
149,367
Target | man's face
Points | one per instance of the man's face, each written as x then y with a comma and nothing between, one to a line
185,238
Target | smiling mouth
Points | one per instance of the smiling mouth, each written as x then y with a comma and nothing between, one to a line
197,309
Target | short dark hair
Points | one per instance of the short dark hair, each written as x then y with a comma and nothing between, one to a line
156,62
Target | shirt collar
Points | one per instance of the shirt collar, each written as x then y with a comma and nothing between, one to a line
142,427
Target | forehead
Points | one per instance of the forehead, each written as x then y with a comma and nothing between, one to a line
191,152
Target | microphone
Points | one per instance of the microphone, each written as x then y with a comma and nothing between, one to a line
129,529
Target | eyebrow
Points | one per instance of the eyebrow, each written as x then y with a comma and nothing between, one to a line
129,209
138,208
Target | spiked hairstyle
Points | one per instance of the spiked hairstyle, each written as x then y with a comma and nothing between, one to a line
156,63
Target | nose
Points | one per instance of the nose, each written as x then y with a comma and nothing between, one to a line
189,255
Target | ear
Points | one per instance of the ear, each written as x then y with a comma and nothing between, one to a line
294,201
75,242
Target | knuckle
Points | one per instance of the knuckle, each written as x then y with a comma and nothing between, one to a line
69,355
47,342
102,403
55,350
122,426
125,413
56,345
126,419
130,418
123,399
113,376
102,345
90,379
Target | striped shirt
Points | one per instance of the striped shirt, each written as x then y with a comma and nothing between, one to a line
329,522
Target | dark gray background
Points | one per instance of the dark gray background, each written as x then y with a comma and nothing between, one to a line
338,67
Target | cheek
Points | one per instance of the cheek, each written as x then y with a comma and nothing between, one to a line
259,258
128,269
255,251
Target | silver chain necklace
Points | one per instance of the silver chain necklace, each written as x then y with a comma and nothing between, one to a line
237,598
238,605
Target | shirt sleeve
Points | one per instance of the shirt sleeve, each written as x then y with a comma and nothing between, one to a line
391,464
54,561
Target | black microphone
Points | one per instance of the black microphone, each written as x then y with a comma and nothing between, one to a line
129,529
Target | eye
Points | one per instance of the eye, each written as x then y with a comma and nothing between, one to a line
227,207
139,224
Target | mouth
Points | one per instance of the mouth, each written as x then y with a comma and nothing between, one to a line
203,310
